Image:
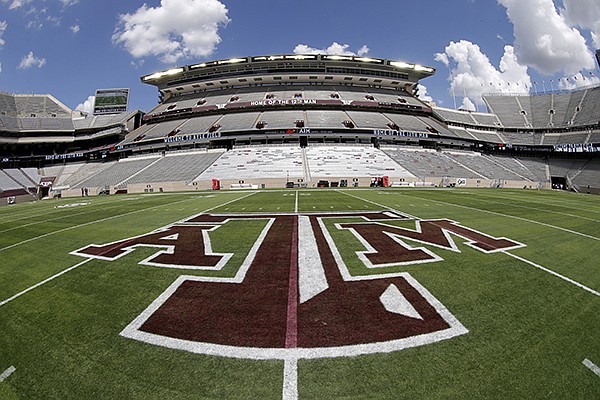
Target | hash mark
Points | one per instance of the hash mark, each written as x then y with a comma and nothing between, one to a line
591,366
7,373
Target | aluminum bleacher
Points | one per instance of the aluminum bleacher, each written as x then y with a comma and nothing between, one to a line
7,183
256,162
364,119
241,121
281,119
326,118
508,109
198,124
117,172
588,176
428,164
460,117
352,161
408,122
177,167
589,112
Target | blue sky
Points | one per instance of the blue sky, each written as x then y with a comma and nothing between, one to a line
69,48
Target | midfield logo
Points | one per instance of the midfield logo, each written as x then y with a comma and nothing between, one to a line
293,295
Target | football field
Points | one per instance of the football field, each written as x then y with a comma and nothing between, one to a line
309,294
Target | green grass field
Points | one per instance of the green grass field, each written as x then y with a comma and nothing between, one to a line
532,320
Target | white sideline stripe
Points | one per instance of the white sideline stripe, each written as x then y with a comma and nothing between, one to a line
80,225
290,379
296,206
592,291
590,365
311,275
514,217
7,373
488,200
53,219
90,259
44,281
554,204
379,205
107,219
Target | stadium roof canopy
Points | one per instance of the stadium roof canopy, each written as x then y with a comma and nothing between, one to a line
288,69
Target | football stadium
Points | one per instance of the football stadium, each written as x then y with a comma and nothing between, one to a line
300,226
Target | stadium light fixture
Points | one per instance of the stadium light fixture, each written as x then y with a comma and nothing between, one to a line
335,57
422,68
401,64
203,65
367,59
300,57
161,74
232,61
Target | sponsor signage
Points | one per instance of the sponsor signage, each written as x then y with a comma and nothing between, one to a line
63,156
389,132
189,138
576,148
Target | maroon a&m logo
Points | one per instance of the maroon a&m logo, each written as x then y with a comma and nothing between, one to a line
293,295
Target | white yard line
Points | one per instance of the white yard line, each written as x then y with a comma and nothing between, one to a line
296,205
54,219
519,197
379,205
7,373
43,282
35,212
538,209
592,291
89,259
514,217
290,379
591,366
81,225
107,219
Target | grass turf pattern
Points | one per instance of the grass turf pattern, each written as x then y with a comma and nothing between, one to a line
529,331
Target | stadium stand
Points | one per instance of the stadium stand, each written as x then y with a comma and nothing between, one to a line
352,161
176,167
509,111
256,162
118,172
305,119
587,176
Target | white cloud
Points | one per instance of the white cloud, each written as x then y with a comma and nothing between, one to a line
3,26
363,51
75,28
585,14
334,49
472,74
173,30
68,3
16,3
467,105
87,106
31,60
443,58
422,94
543,38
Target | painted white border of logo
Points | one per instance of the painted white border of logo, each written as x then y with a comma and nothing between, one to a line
133,331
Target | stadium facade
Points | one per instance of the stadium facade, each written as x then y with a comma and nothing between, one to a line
229,120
